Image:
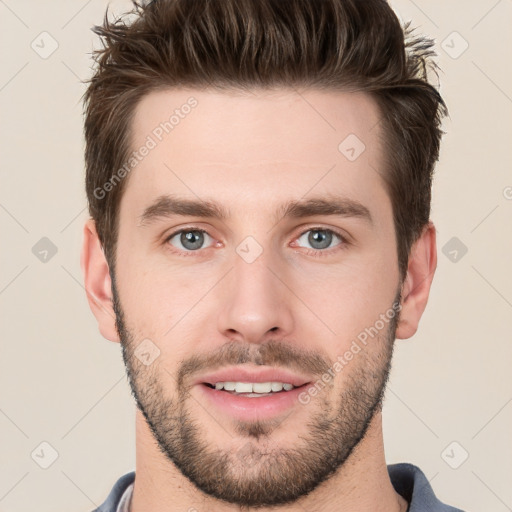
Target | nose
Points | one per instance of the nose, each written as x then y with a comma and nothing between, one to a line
254,302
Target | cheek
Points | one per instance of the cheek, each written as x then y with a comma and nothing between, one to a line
160,300
347,297
331,303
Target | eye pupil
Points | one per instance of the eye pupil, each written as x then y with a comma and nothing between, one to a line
192,239
322,238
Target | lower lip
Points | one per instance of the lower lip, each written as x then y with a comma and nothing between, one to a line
252,408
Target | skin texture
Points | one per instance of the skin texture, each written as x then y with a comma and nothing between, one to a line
296,306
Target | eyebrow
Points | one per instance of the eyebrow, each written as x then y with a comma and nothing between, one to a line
169,206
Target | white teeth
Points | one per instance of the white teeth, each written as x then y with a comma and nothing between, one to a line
277,386
254,387
262,387
243,387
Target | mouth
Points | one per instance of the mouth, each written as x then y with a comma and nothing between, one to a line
253,389
252,395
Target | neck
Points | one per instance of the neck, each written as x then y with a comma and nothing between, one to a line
361,484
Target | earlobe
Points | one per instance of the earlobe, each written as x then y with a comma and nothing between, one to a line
416,286
97,282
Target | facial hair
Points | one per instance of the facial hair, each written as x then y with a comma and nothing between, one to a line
254,475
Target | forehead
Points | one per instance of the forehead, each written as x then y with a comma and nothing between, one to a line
249,147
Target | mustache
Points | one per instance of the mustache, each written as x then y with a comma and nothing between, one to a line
273,353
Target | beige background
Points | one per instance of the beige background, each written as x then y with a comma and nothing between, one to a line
63,384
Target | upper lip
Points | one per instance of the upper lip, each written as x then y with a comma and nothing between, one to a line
240,374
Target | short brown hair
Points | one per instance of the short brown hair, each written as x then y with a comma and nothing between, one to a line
243,44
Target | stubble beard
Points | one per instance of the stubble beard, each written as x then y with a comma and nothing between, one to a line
254,472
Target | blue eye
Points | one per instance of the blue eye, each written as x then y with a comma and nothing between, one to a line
189,239
319,239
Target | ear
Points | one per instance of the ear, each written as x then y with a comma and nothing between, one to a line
416,285
98,285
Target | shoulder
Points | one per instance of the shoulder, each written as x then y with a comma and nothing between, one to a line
409,481
112,501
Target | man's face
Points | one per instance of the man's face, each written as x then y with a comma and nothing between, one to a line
267,293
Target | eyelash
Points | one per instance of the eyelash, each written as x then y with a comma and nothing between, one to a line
312,252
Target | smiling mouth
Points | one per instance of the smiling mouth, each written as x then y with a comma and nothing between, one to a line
253,389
